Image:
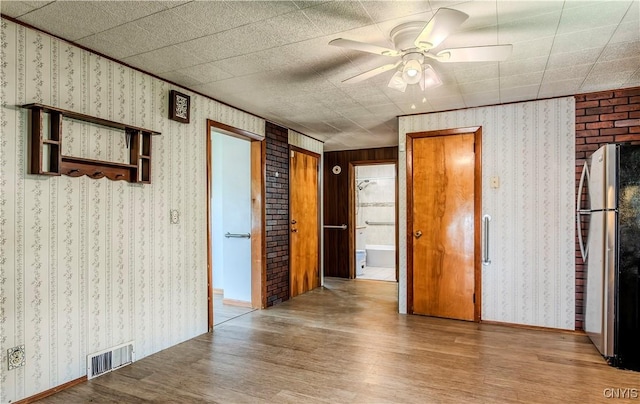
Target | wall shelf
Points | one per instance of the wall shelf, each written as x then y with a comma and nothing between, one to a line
47,158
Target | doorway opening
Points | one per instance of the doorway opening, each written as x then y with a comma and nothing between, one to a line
236,265
374,221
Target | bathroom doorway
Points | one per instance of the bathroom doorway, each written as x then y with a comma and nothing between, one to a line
236,268
374,221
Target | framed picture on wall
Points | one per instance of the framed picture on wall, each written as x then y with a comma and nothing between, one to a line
179,106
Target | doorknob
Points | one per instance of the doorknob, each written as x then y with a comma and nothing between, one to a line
293,222
294,230
418,234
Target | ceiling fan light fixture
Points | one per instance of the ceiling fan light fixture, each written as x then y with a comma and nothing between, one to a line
412,72
397,82
431,79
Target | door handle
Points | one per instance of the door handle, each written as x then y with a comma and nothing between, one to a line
293,222
485,240
418,234
294,230
584,178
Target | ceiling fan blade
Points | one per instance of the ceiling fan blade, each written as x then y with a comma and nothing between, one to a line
370,73
364,47
491,53
443,22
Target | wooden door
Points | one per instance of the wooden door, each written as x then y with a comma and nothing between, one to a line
304,241
444,238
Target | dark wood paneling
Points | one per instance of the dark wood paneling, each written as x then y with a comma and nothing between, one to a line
336,204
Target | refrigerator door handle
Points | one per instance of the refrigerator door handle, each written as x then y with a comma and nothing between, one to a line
584,249
485,240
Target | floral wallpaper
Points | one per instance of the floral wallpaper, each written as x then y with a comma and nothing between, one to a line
87,264
530,147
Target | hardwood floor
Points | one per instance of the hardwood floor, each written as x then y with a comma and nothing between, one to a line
345,343
225,312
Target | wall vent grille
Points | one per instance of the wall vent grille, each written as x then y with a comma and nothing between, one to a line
110,359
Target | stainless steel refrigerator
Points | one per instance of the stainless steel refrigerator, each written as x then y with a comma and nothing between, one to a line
609,203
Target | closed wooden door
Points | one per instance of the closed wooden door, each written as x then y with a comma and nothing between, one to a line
304,243
443,229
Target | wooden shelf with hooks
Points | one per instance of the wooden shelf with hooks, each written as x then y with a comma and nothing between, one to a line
47,157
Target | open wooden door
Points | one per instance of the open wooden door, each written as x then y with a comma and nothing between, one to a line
444,223
304,240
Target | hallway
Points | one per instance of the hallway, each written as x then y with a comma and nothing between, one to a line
345,343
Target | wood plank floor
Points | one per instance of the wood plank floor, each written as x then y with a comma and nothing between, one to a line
345,343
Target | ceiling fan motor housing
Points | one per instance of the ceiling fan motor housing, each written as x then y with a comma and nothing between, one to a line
404,35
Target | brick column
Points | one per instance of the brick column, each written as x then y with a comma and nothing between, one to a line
601,118
277,214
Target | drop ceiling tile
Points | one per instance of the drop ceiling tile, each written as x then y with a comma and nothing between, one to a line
163,60
385,110
529,49
37,4
262,10
482,98
629,28
481,14
169,27
518,10
522,66
234,42
530,28
385,10
474,37
605,81
618,65
577,40
338,16
567,73
580,57
479,86
15,8
180,78
520,80
464,73
560,88
445,103
514,94
206,73
591,14
621,50
211,17
126,11
54,18
291,27
126,40
242,65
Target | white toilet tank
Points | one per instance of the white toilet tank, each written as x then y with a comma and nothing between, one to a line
361,237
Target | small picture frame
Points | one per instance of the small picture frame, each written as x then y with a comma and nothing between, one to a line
179,106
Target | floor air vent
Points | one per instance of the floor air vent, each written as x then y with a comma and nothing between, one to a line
110,359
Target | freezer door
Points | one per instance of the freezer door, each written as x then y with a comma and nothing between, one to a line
598,179
594,282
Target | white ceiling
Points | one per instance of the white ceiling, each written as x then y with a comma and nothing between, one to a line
271,58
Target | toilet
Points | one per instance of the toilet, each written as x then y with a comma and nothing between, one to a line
361,261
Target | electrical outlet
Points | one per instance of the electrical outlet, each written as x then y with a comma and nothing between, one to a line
174,216
16,357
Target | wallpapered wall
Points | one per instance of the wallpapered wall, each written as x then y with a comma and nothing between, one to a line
531,147
87,264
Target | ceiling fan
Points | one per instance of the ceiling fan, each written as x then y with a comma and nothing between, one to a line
414,42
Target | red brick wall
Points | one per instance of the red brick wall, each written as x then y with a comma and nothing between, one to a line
603,117
277,212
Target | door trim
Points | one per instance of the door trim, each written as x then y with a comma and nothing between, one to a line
258,193
297,149
477,222
352,212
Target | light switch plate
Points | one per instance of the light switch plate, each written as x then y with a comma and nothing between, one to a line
174,216
494,182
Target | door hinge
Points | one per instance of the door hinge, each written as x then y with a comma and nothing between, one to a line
474,297
474,147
